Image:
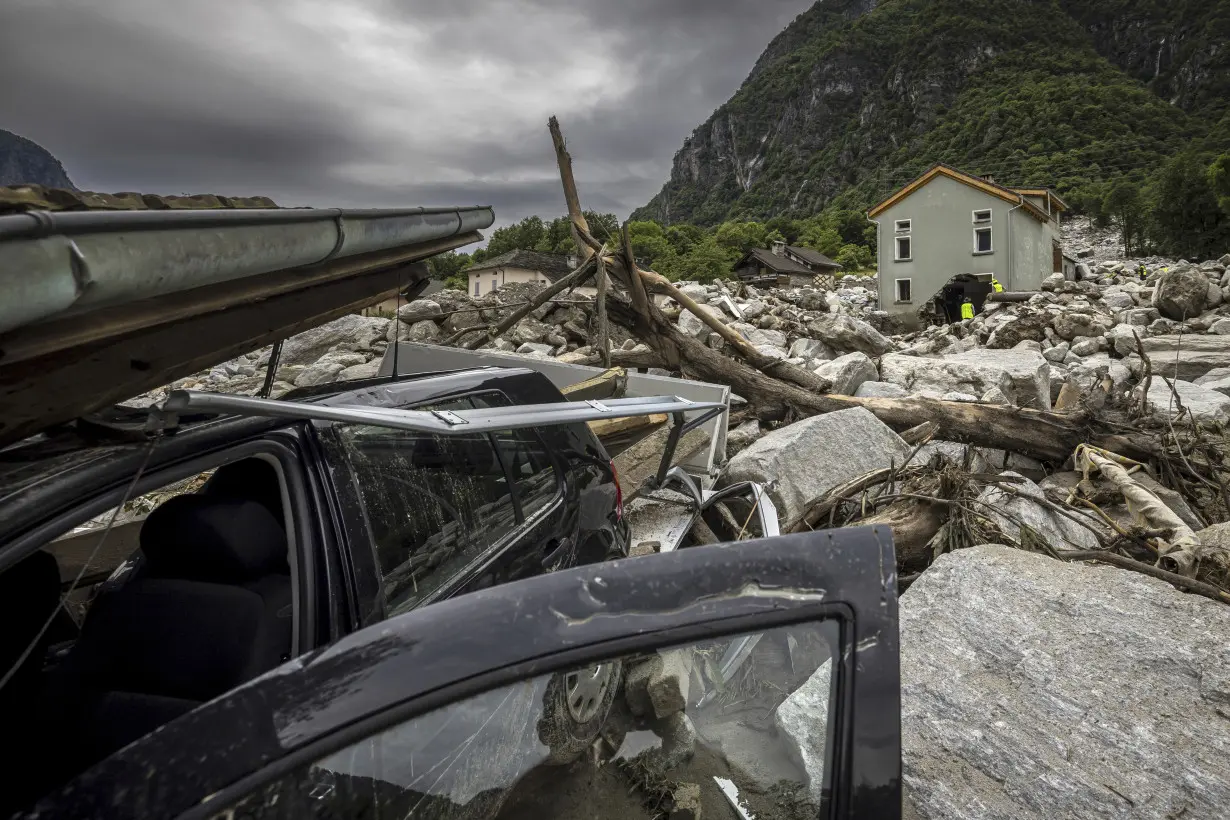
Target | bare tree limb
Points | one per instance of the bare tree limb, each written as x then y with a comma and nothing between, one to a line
573,200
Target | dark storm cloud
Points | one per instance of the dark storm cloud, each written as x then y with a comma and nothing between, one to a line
375,102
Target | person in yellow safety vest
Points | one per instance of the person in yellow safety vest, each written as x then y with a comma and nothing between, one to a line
967,309
996,286
1142,272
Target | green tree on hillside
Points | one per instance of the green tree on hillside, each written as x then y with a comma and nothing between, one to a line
448,264
1219,181
824,239
1187,220
741,237
1123,203
649,242
706,262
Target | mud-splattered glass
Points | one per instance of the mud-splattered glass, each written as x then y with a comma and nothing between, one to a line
731,728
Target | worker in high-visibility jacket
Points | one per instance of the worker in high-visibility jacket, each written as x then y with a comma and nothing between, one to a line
996,286
967,309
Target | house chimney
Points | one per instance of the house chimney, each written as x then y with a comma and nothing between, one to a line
779,247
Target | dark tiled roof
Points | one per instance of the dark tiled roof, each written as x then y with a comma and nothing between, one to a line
550,265
775,263
813,258
21,198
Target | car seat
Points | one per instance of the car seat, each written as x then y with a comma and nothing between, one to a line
211,610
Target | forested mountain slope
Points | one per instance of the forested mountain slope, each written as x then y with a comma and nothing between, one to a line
857,97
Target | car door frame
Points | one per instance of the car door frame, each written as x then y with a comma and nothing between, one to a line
430,657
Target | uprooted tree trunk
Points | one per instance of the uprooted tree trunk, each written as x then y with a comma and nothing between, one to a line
914,523
1046,436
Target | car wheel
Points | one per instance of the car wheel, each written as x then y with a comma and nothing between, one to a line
576,706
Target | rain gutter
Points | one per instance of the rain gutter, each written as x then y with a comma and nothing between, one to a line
62,263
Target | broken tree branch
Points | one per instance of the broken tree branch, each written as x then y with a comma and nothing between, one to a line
797,375
1046,436
604,325
573,200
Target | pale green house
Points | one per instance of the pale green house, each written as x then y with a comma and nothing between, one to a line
946,234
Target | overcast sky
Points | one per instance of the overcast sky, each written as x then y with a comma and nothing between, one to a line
375,102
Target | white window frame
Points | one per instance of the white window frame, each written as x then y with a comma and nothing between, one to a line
978,221
991,237
907,223
478,285
897,300
897,257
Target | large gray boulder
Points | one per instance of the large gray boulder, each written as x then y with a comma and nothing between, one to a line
424,330
1070,324
1033,688
356,332
1022,375
847,334
1205,402
803,460
418,310
758,337
848,372
811,349
1187,357
1181,293
1027,505
1122,338
880,390
1025,326
692,325
327,368
1216,379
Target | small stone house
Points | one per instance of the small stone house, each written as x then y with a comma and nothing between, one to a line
946,234
517,266
788,265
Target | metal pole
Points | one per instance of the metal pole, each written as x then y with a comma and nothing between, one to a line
271,372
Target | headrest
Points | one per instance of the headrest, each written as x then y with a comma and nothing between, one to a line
251,478
211,538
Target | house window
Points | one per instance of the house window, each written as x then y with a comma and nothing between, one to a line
902,225
904,249
982,217
478,283
982,240
903,291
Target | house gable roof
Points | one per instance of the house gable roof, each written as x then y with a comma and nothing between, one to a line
775,263
812,257
550,265
987,187
1056,203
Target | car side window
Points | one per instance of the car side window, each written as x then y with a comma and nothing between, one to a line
432,504
743,726
529,464
528,461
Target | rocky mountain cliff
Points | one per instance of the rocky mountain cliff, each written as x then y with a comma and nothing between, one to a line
857,97
24,162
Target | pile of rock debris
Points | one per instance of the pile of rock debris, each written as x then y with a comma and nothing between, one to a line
1031,686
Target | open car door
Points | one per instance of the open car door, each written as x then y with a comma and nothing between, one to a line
453,710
